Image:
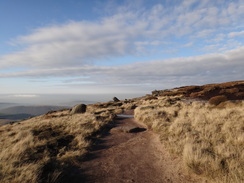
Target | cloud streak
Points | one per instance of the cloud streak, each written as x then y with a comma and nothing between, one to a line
25,96
78,48
236,34
79,43
194,70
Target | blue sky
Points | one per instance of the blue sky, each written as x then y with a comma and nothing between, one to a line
117,47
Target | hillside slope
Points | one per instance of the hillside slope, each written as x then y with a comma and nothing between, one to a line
231,90
48,148
201,126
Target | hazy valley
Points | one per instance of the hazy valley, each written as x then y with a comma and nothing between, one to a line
16,113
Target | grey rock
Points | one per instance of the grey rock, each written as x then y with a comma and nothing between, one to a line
115,99
80,108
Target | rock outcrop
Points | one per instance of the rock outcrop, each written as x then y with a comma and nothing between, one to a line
80,108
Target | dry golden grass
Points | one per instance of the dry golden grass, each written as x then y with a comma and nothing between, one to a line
47,148
210,139
115,107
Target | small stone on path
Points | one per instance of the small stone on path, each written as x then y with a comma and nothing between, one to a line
127,129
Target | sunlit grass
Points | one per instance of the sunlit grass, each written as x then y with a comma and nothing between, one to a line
210,139
48,147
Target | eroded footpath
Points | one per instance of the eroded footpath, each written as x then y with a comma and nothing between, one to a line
132,156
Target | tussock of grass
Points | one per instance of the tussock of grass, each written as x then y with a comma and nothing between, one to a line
210,139
48,148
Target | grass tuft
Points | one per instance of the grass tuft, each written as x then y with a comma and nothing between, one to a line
210,140
48,148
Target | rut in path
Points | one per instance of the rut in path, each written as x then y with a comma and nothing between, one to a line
132,157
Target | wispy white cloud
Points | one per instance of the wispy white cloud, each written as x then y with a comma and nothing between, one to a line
79,43
198,69
236,34
25,96
76,43
74,49
188,44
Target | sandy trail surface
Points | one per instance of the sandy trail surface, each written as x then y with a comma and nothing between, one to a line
120,156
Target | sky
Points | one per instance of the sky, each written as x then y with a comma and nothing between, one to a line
116,47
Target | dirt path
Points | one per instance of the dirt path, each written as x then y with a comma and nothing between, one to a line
132,157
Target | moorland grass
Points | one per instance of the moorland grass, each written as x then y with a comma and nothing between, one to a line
210,139
48,148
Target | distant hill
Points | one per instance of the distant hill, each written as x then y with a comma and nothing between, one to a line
14,116
8,118
73,103
4,105
31,110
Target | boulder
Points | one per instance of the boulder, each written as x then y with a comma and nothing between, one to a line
115,99
80,108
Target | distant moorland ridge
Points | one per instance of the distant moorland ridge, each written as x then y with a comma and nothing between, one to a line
31,110
231,90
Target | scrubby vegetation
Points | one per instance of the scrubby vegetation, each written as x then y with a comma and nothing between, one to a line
217,100
48,148
231,90
208,135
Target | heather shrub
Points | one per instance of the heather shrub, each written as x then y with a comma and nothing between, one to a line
240,95
217,99
151,98
230,91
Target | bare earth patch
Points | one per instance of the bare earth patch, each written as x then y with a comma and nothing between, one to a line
120,156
